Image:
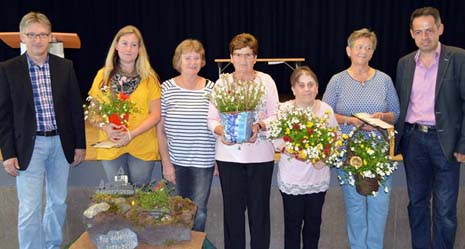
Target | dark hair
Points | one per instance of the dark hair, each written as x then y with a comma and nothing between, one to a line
301,71
243,40
426,11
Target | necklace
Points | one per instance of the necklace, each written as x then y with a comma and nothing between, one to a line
361,76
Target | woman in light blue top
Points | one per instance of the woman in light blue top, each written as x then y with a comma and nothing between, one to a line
362,88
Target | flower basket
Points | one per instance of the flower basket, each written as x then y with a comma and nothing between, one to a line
237,126
367,161
306,136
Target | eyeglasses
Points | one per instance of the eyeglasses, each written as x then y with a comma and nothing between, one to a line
33,36
247,55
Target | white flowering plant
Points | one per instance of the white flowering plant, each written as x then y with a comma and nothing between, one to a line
367,157
306,136
233,95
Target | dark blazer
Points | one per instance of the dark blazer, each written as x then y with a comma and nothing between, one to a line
17,113
449,98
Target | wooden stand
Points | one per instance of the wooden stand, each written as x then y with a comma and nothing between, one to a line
69,40
270,61
84,242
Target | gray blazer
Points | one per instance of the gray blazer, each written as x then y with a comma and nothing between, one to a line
449,98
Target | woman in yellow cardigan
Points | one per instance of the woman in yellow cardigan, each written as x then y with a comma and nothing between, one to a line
127,70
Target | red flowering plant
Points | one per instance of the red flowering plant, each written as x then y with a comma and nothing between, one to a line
109,107
306,136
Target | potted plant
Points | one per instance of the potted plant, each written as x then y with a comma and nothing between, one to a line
237,100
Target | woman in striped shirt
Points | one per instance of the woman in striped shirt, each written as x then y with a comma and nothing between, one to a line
187,146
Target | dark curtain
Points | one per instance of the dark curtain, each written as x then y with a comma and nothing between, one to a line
313,29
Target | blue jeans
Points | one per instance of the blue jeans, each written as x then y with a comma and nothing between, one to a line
195,183
138,171
366,216
48,161
429,174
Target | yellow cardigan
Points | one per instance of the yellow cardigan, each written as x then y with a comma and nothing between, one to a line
144,146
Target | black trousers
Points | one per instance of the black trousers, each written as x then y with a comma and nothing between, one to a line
304,209
246,187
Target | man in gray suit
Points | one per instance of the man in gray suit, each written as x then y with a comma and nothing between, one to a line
431,129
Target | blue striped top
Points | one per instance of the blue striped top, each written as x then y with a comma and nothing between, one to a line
190,142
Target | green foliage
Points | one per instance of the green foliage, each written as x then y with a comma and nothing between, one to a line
236,95
307,137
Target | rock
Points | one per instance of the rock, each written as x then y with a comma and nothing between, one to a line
123,207
162,234
95,209
117,239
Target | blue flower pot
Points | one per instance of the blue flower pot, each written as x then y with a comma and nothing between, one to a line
237,126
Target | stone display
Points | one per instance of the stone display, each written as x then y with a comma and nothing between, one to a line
151,213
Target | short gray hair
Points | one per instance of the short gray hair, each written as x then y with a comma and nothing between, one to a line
362,33
34,17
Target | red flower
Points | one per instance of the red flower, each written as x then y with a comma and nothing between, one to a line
160,185
286,138
327,149
310,131
296,126
123,96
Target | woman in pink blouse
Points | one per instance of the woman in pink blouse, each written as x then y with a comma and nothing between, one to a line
303,185
245,169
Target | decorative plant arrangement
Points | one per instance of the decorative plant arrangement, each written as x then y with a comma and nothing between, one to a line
237,101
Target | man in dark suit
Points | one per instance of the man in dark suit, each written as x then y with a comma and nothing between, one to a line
431,130
41,132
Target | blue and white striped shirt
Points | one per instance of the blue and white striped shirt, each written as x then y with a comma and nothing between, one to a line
190,142
42,93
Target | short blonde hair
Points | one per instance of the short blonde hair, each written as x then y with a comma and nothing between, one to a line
301,71
34,17
186,46
243,40
143,68
362,33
